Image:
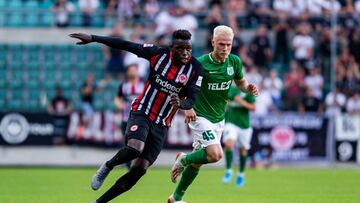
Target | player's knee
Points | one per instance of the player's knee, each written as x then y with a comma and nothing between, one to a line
215,156
243,151
137,145
229,144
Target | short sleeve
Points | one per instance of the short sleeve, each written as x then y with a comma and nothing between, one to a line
238,66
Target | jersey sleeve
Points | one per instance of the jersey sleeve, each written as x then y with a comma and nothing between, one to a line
250,98
146,51
193,86
238,66
120,91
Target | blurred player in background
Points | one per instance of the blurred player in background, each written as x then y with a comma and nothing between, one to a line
206,120
127,92
238,132
173,83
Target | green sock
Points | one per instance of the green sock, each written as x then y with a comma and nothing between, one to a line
197,157
228,158
242,163
187,178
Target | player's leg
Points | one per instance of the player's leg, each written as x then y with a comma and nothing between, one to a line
207,142
207,138
127,181
229,137
136,133
187,177
153,146
244,144
123,130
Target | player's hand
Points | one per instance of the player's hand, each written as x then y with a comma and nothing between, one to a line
190,115
85,38
175,100
252,89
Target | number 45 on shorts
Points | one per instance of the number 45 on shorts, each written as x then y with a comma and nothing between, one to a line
208,135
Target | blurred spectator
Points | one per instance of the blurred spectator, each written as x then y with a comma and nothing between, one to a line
315,7
315,82
354,44
237,8
263,102
127,92
87,96
325,52
253,76
283,6
294,82
163,22
193,6
262,11
237,43
309,103
162,41
183,20
353,104
298,8
88,9
212,20
357,6
59,105
335,102
281,29
347,73
125,9
142,64
115,57
62,10
151,8
274,85
260,49
303,45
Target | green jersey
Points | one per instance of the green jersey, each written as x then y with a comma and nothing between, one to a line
213,95
237,114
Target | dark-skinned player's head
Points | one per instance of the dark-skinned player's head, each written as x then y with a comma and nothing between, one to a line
181,47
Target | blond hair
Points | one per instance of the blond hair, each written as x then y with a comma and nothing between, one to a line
223,30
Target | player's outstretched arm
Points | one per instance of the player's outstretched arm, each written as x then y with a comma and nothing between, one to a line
244,86
117,43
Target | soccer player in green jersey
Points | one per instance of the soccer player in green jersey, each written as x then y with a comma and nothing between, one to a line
206,119
238,132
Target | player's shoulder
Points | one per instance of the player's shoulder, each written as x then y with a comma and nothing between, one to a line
197,65
203,58
234,59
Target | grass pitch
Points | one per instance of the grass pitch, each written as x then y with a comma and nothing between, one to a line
35,185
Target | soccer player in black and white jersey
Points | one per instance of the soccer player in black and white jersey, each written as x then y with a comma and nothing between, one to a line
173,83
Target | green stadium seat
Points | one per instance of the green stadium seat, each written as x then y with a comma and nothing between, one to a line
2,18
16,79
3,4
14,104
15,19
31,19
14,4
33,79
2,78
2,94
46,4
99,104
46,19
31,4
76,20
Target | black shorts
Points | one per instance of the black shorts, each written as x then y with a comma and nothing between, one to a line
141,128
